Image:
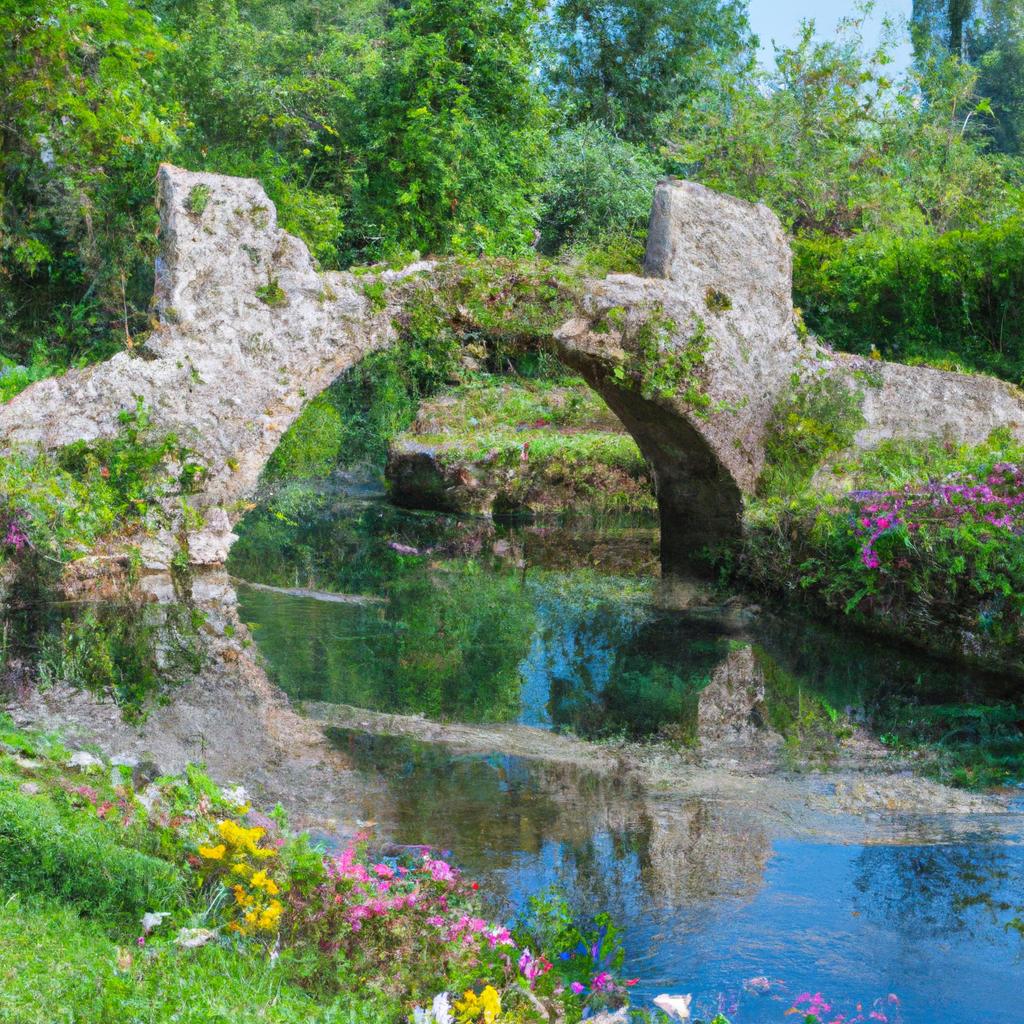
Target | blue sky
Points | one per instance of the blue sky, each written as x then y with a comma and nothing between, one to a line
780,19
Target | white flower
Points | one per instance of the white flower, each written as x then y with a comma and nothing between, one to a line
236,797
83,759
677,1007
440,1011
153,920
189,938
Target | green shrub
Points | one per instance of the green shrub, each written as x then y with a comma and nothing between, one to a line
816,418
79,862
62,503
951,300
595,186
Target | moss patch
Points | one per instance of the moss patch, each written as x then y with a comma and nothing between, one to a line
528,447
819,416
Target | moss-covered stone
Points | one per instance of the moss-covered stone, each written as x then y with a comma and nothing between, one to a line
519,448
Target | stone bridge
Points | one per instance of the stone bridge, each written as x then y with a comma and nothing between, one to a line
249,331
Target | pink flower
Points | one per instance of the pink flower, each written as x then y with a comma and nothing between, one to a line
531,968
16,537
499,937
439,870
383,871
601,981
578,988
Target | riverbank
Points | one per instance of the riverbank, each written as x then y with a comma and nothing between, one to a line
125,894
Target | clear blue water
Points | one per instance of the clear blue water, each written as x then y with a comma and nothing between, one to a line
709,905
561,630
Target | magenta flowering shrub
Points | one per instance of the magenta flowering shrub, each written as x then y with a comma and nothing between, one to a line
411,926
404,923
995,500
939,562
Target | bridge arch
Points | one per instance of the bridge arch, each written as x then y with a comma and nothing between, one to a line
247,331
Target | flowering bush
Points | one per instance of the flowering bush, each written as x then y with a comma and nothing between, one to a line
938,558
235,863
994,498
405,922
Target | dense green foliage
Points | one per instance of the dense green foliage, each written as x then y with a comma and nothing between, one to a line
950,300
595,185
456,130
81,128
834,145
626,64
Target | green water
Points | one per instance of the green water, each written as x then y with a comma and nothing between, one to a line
560,627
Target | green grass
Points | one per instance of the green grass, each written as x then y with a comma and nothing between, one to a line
490,404
59,968
579,450
78,861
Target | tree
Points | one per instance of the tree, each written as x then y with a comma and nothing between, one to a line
990,35
833,144
82,126
455,131
625,63
595,186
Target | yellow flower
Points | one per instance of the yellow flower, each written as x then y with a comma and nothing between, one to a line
213,852
243,869
243,839
261,881
243,898
473,1007
271,915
